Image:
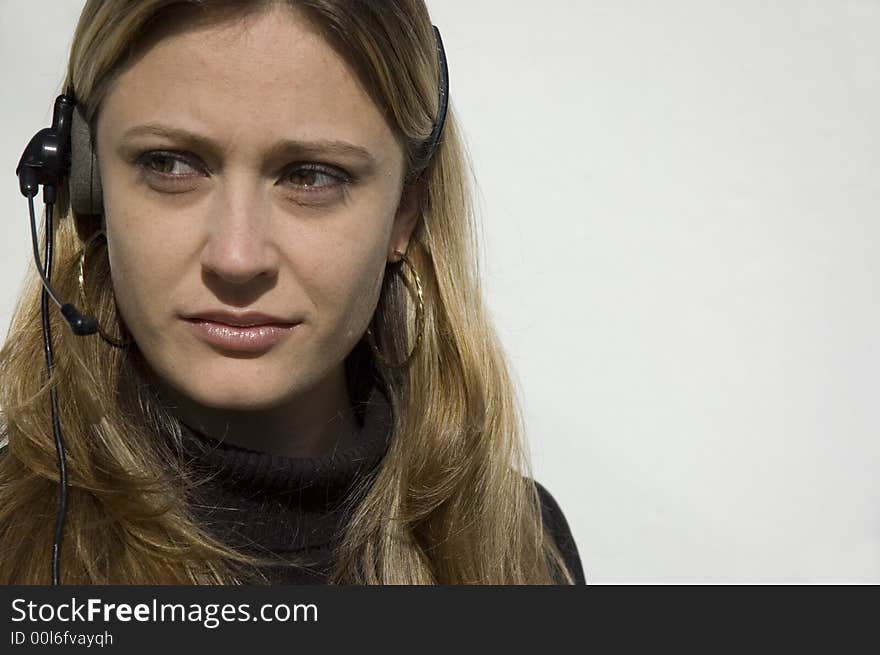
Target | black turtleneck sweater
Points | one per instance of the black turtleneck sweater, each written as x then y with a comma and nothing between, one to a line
276,506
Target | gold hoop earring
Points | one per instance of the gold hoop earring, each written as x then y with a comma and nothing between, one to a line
420,316
118,343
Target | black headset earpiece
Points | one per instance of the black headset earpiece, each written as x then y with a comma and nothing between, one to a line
63,151
47,161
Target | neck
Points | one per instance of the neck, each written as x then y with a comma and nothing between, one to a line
317,422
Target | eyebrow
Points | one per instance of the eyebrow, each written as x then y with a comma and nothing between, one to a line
283,147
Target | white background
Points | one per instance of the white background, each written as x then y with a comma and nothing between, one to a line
679,202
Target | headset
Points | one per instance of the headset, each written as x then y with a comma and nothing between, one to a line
65,151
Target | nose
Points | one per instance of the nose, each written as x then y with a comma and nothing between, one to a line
240,245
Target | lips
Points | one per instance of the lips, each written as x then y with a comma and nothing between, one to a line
245,332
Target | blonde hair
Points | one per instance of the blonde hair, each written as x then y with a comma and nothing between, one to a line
452,501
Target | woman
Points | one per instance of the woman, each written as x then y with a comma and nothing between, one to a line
295,378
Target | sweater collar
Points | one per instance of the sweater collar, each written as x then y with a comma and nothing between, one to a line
284,503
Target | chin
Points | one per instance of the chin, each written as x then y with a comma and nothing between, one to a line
237,398
236,387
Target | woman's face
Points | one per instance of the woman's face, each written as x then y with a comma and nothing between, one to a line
227,188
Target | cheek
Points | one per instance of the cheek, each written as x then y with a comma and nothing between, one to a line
349,294
342,273
142,270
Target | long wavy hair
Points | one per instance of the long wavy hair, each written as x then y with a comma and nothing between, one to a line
451,502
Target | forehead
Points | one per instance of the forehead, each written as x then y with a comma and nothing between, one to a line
250,80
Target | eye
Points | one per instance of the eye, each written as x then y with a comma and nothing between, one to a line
164,164
316,178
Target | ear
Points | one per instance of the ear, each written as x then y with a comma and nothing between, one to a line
409,211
